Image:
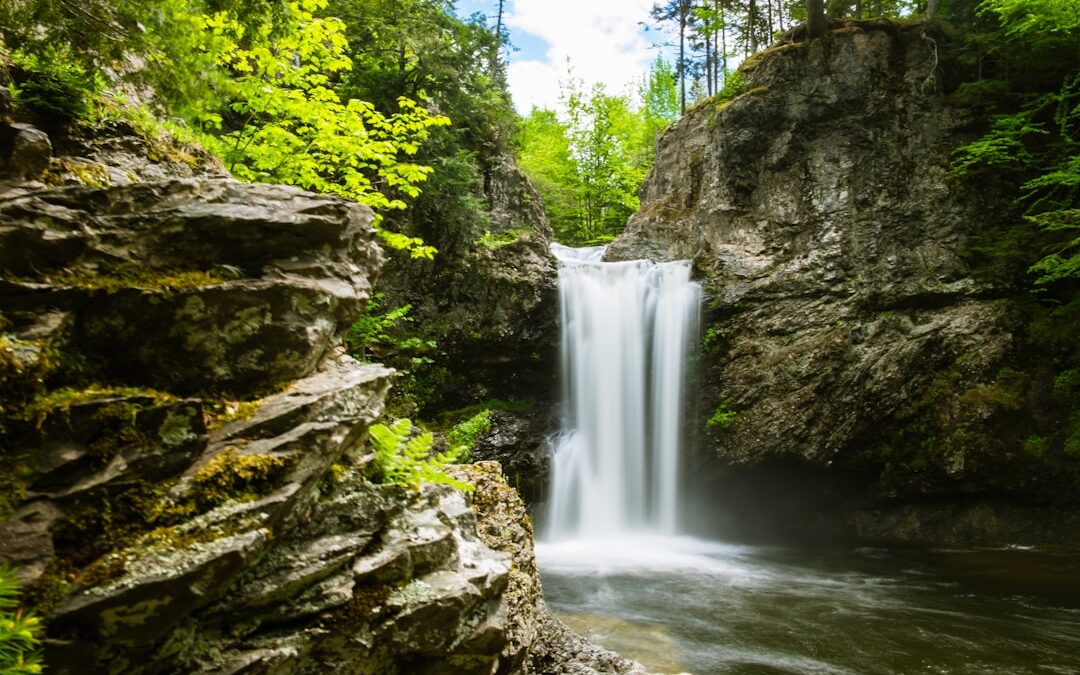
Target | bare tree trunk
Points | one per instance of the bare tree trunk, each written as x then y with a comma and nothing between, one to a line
708,65
768,14
815,18
718,40
931,9
751,24
495,65
682,60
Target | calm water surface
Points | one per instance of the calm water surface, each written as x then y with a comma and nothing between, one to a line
681,604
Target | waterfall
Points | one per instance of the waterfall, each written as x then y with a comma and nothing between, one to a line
626,332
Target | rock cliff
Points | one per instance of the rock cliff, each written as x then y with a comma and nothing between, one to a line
185,483
851,357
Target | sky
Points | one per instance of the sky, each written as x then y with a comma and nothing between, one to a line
602,38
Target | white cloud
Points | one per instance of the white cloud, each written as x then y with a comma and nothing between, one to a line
602,38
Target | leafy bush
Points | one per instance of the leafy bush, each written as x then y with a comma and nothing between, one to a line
53,88
384,337
462,436
18,631
405,458
722,418
297,130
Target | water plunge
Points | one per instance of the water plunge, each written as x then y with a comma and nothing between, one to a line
612,568
627,330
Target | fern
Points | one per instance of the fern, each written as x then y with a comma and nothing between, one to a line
405,458
18,631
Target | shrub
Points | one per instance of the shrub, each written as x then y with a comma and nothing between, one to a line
462,436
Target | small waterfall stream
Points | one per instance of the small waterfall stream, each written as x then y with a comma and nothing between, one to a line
627,330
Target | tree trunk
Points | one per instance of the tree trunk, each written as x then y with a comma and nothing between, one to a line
751,24
682,60
815,18
768,13
495,65
931,9
708,64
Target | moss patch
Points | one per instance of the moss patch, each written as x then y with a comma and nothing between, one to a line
235,476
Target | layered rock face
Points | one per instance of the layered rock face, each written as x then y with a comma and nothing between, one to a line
850,354
184,466
184,444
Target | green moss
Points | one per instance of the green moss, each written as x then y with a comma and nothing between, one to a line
462,436
93,175
112,281
221,413
14,481
235,476
62,400
494,242
1036,446
722,418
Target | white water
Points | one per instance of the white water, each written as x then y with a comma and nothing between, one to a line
627,329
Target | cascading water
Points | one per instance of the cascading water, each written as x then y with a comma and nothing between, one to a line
627,329
616,566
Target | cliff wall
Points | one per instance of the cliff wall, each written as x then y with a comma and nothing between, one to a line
855,365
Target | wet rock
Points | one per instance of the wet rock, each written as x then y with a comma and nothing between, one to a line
518,441
536,642
491,307
26,539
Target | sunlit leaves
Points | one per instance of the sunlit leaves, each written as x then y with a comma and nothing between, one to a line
295,128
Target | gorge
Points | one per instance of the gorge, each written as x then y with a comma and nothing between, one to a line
811,410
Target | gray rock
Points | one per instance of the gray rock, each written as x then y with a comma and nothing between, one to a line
109,255
7,104
816,209
31,151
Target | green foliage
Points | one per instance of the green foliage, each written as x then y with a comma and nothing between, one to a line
722,418
734,85
420,48
1033,145
52,87
405,458
589,161
383,336
462,436
19,639
258,83
713,340
297,130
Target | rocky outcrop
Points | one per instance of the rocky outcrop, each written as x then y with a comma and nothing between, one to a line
537,643
846,332
225,520
489,301
191,284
